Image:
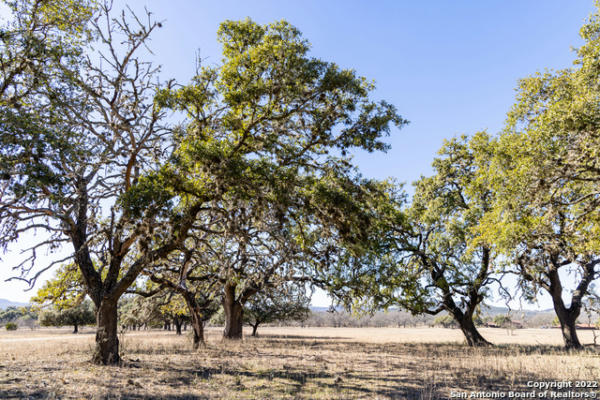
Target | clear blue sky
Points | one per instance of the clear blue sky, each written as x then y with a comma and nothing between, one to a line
450,67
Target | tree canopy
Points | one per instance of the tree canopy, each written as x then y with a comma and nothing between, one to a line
88,157
544,173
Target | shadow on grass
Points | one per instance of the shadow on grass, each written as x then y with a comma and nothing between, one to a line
124,394
272,336
412,370
366,370
418,365
292,381
19,394
439,348
132,395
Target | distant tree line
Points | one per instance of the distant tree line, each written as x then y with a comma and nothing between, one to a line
19,316
82,314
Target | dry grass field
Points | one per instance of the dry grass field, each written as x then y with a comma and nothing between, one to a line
288,363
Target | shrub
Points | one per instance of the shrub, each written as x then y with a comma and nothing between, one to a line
503,321
446,321
11,326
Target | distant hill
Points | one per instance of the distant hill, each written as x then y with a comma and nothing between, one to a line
399,318
323,309
7,303
492,310
486,310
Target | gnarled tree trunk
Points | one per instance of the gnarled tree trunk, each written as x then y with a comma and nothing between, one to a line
107,342
569,331
234,314
198,328
196,317
568,316
465,318
472,335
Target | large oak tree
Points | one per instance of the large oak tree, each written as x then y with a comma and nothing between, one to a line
75,138
265,147
546,176
426,256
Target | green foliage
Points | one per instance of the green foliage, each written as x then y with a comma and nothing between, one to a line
446,320
39,40
12,314
11,326
546,162
269,112
68,148
139,310
164,306
545,174
429,257
263,154
287,303
218,318
503,321
66,290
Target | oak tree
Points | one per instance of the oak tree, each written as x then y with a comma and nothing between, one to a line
267,133
427,257
281,304
546,176
73,144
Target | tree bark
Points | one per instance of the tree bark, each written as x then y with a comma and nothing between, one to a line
473,298
75,328
569,331
198,337
196,317
234,314
472,335
566,316
465,318
107,342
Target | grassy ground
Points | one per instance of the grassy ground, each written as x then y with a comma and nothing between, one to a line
303,363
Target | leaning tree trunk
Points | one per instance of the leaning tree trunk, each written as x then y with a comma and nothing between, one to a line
465,318
472,335
107,342
234,314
